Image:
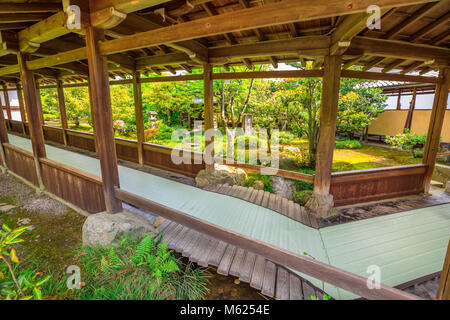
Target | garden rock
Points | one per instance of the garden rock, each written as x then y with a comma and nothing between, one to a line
447,187
221,175
283,187
105,229
258,185
441,173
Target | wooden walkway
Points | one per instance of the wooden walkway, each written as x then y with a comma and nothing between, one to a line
273,280
347,214
268,200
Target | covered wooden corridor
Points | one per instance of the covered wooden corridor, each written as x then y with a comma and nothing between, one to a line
49,43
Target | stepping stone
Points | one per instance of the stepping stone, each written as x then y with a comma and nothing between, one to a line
6,208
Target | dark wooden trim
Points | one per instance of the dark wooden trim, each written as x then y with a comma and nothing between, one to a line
208,97
76,172
62,108
139,114
444,285
332,275
386,76
268,74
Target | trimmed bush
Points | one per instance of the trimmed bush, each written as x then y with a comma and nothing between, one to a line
417,153
302,197
348,144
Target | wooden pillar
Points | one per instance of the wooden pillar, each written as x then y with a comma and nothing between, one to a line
3,138
39,101
138,111
399,103
435,126
34,118
7,104
443,292
91,110
412,106
101,105
23,115
322,202
62,108
208,95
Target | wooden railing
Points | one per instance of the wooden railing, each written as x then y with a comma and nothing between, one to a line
376,184
21,162
329,274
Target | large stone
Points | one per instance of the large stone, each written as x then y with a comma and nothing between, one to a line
221,175
441,173
320,205
105,229
447,187
283,187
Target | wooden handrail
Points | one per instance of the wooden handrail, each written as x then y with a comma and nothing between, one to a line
26,153
332,275
76,172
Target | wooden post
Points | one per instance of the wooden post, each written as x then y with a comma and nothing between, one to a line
39,101
443,292
23,116
62,108
3,139
209,113
7,104
34,118
137,93
91,110
101,105
412,106
322,202
399,103
435,126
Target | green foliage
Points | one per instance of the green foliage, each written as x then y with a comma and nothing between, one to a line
253,176
407,140
27,284
139,269
418,152
304,185
348,144
302,197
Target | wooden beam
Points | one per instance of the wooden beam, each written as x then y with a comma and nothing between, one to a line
322,202
208,95
57,59
435,126
62,108
21,17
267,15
305,46
386,76
412,106
138,111
412,67
399,100
161,60
34,118
400,50
421,12
125,6
268,74
429,28
101,105
45,30
394,64
29,7
23,115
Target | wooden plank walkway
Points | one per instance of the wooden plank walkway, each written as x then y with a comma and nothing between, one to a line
273,280
268,200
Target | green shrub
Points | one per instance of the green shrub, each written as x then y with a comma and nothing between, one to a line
417,153
407,140
348,144
165,132
304,185
139,270
252,177
286,137
302,197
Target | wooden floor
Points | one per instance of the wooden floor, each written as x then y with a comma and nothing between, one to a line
274,281
347,214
